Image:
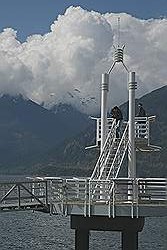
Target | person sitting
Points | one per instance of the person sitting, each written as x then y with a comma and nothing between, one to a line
117,114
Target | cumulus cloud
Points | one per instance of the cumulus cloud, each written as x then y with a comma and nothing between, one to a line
65,65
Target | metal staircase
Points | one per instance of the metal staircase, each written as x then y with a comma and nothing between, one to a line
112,155
117,158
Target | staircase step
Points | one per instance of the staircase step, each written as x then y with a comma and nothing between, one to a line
110,169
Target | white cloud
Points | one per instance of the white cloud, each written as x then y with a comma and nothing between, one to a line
66,64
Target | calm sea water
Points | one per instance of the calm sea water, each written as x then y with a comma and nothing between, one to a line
38,231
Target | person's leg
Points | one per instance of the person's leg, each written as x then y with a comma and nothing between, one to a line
118,129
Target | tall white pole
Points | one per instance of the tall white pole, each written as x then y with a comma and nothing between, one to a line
104,92
132,149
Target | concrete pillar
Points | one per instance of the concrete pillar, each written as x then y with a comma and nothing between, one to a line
129,227
81,239
129,240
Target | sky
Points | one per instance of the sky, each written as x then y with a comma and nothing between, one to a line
35,16
52,52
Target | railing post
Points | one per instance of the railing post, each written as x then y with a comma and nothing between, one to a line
113,200
89,207
148,131
137,198
50,197
86,197
65,197
46,192
19,196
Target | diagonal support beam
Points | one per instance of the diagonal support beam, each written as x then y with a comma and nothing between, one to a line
34,196
8,193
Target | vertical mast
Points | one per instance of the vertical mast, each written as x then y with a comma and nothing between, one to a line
118,58
132,149
104,93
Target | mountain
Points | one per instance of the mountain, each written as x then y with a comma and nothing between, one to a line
28,131
156,104
37,141
71,158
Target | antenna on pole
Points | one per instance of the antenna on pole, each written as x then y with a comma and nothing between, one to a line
119,51
118,31
117,58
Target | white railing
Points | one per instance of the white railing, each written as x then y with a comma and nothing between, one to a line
23,195
102,169
109,127
59,195
105,152
142,127
98,127
153,190
111,158
121,191
119,155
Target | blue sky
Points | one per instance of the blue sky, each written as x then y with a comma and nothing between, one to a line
35,16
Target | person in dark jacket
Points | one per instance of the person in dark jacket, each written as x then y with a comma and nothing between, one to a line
141,111
117,114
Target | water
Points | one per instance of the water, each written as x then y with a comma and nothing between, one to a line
39,231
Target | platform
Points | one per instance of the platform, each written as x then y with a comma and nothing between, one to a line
118,197
145,197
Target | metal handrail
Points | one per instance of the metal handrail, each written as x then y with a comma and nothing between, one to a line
85,193
82,190
105,151
121,147
142,126
15,194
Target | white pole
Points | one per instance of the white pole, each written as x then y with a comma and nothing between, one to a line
131,148
104,91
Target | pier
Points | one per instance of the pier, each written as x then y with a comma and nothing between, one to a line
103,201
92,204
